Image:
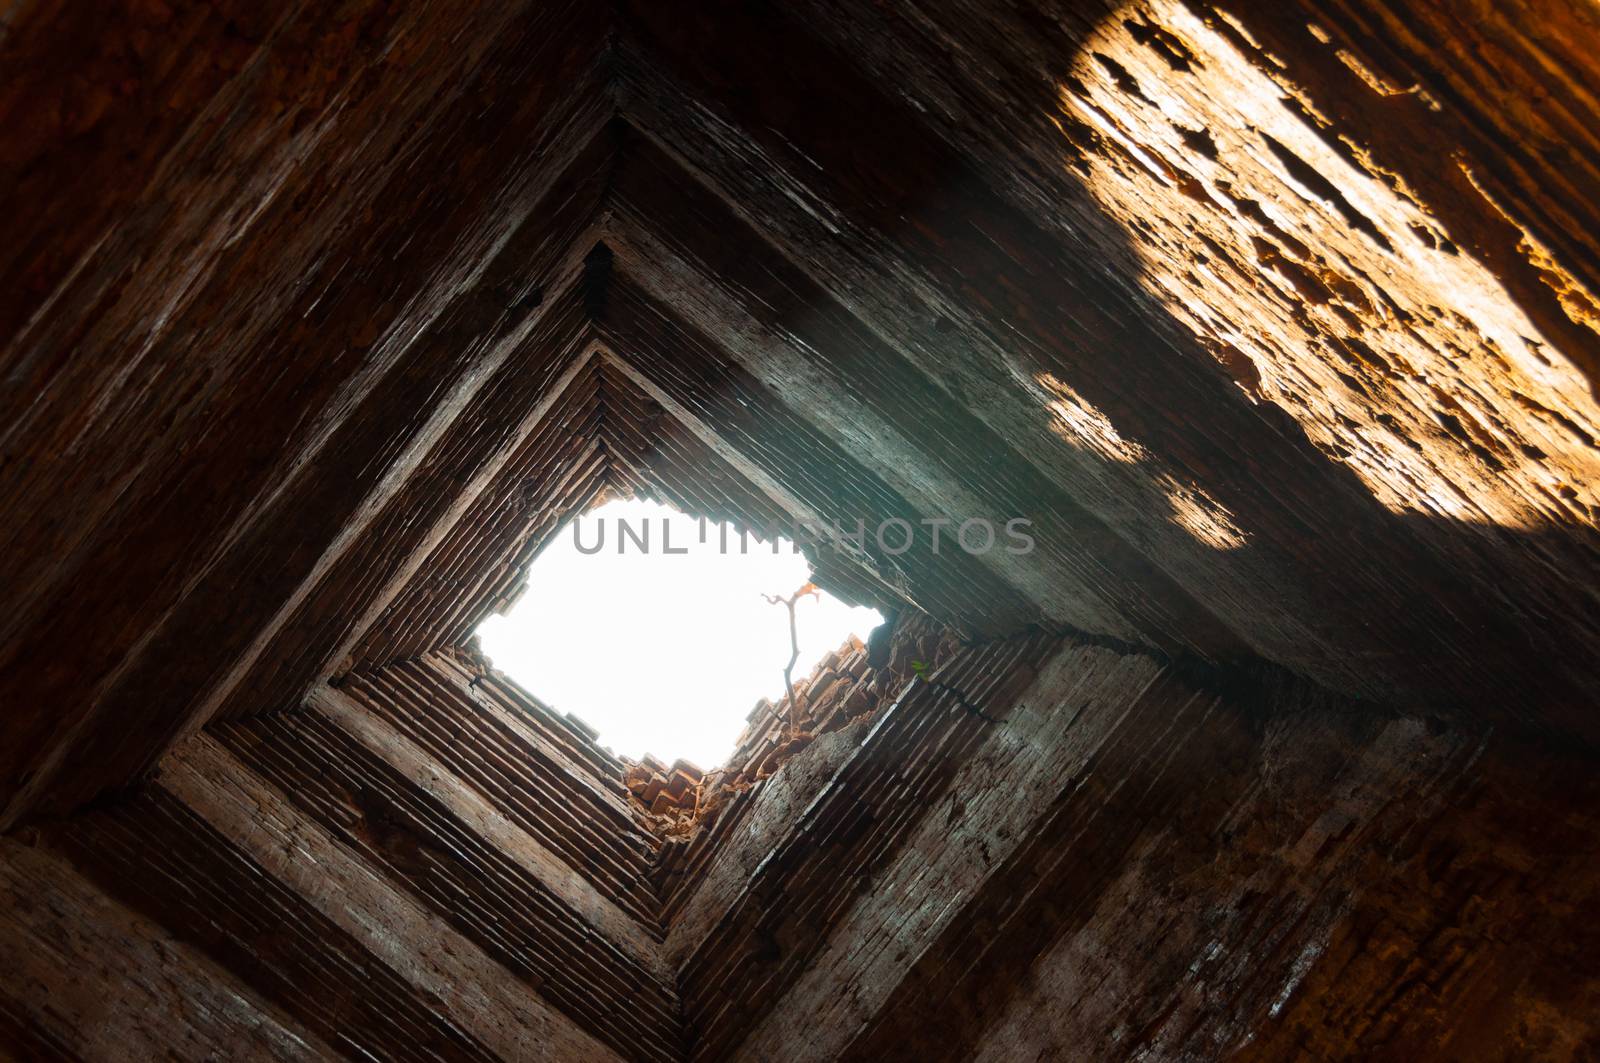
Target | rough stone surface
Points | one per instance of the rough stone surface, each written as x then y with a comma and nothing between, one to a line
1279,322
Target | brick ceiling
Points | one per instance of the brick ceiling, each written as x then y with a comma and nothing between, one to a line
291,320
1277,321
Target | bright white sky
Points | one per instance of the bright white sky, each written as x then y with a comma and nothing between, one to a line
663,653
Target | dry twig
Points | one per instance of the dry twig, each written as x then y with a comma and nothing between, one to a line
794,644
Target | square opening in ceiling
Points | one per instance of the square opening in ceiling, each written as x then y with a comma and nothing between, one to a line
655,628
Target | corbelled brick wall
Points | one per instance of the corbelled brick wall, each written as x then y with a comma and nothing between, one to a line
1278,321
1047,848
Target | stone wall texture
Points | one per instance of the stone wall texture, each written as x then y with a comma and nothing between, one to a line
1279,323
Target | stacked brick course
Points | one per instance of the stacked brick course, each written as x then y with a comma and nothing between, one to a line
1280,322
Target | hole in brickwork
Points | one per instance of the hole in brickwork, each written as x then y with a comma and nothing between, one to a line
651,627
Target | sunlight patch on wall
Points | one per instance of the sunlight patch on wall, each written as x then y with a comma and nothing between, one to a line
1320,282
1080,424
